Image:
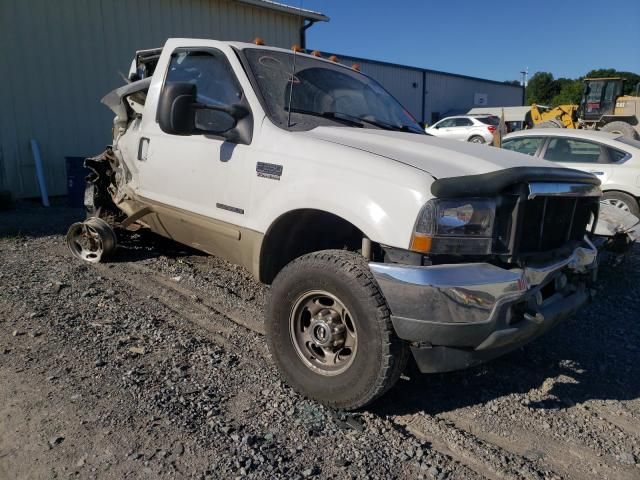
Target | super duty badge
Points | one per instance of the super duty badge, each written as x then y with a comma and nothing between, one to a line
269,170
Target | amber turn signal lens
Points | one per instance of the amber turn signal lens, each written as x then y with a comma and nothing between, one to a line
421,243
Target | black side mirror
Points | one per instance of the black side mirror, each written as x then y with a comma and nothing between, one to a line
180,114
175,108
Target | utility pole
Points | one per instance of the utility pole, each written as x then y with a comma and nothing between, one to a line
525,74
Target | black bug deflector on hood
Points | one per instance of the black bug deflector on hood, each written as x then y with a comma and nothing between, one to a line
492,183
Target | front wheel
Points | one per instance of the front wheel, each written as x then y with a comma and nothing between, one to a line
553,123
623,201
329,330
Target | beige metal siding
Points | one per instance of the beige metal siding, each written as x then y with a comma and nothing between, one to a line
60,57
447,94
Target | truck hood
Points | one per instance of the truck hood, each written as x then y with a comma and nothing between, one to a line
439,157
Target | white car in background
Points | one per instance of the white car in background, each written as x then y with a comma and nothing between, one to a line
467,128
613,158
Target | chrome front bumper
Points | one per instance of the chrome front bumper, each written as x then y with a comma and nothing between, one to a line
459,315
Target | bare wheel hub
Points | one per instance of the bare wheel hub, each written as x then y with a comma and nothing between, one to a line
323,333
91,240
327,331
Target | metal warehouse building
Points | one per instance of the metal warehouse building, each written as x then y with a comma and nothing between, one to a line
430,95
61,56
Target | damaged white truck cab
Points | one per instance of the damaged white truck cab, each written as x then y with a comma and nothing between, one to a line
378,240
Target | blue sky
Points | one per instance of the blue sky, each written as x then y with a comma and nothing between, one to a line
490,39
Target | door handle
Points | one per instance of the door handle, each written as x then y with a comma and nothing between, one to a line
143,148
596,172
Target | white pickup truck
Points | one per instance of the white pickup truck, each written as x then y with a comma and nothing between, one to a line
378,240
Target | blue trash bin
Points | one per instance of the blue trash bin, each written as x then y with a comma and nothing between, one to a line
76,174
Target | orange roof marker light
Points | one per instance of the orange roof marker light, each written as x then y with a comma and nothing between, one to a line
333,58
316,53
258,41
356,67
296,48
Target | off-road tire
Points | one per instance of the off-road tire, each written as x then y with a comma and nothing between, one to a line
622,128
476,139
380,357
627,199
550,124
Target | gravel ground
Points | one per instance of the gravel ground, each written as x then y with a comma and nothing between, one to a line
154,366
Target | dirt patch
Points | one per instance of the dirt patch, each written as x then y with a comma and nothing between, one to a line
154,366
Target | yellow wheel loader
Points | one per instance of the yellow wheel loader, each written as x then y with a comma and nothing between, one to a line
602,107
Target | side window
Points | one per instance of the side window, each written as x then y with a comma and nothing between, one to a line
570,150
449,122
209,71
616,155
526,145
463,122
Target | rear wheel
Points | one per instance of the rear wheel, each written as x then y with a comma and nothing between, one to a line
622,201
329,330
622,128
476,139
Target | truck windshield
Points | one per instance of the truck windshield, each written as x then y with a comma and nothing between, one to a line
323,93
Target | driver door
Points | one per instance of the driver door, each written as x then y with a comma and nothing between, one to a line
189,180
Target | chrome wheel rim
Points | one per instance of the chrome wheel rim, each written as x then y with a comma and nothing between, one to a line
476,140
618,204
91,240
323,333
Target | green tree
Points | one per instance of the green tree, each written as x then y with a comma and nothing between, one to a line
569,92
541,88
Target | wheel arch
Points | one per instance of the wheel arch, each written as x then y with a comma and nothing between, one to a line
619,190
301,231
606,119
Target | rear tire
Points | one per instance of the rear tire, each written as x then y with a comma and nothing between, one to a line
622,128
623,201
346,289
476,139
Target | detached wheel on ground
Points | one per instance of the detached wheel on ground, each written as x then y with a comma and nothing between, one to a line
622,201
329,330
92,240
476,139
622,128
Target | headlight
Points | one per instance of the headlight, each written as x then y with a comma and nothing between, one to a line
459,226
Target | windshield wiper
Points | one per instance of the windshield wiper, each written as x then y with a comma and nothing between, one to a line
355,120
389,126
339,116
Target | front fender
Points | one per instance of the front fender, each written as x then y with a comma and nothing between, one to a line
383,202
